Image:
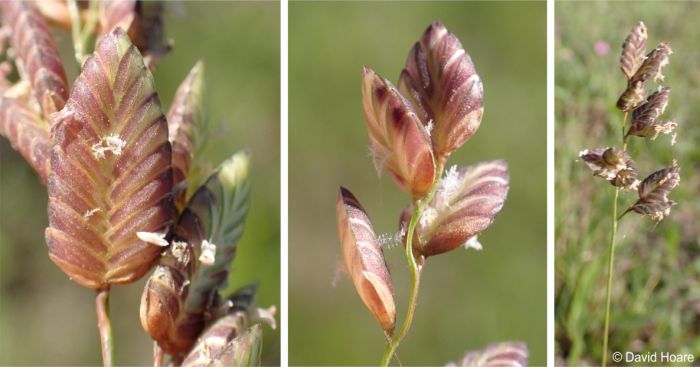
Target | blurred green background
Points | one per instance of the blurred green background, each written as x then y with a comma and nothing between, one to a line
45,319
656,288
468,299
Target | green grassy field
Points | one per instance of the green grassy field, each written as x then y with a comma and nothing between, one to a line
656,293
45,319
468,299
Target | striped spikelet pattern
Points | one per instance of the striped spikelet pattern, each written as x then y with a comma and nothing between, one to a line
118,174
653,193
615,164
27,132
633,50
513,354
646,120
399,141
364,259
413,130
26,106
111,175
227,342
162,309
37,56
184,122
639,69
442,85
466,203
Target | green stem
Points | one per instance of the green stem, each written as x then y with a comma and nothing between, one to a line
90,24
415,285
610,275
415,269
611,260
81,33
75,30
105,327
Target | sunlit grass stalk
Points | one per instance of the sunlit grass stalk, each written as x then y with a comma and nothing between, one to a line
105,327
415,269
611,249
415,286
610,276
158,355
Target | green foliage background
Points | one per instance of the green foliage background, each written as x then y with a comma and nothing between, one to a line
656,294
468,299
45,319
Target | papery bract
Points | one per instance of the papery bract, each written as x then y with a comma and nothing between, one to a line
364,259
633,50
511,354
632,97
245,350
184,289
466,203
37,57
650,68
444,89
28,133
184,119
227,342
612,164
117,13
111,175
653,193
142,21
162,310
645,119
653,64
399,141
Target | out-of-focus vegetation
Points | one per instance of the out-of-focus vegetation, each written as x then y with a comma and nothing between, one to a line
656,288
468,299
45,319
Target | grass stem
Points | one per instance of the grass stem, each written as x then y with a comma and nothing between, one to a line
415,269
611,260
105,327
610,276
74,11
82,33
157,355
415,285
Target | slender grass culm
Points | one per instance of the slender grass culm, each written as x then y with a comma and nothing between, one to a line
615,164
413,129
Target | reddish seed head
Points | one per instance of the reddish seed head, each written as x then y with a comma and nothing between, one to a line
442,86
399,141
111,175
364,259
633,50
466,203
37,53
653,193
